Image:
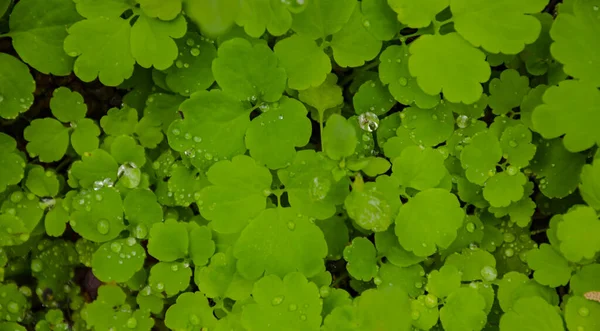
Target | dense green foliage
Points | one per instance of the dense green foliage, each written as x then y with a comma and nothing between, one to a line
333,165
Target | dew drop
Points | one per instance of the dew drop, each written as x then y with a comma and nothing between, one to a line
194,320
176,132
197,139
160,286
431,300
190,42
292,307
195,52
291,225
489,273
174,268
12,307
303,317
277,300
509,252
36,265
512,170
462,121
16,197
366,24
512,144
584,312
470,227
140,231
324,291
179,64
103,226
368,121
415,315
509,237
130,241
132,323
377,280
116,247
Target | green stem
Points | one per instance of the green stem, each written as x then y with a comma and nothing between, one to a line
5,35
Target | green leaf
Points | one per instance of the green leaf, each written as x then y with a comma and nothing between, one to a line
191,311
47,139
557,168
213,128
569,109
152,43
325,96
170,277
474,265
590,184
449,64
464,310
578,233
67,106
84,138
280,241
41,182
16,87
550,267
292,301
417,14
163,108
480,157
508,91
374,206
192,71
102,48
502,189
249,72
416,218
372,97
482,23
118,260
585,279
427,316
37,29
570,32
202,247
387,245
310,185
393,70
362,259
98,215
428,127
353,45
97,166
419,168
517,146
582,313
238,193
256,16
409,279
339,138
532,313
220,278
214,18
164,10
515,285
305,63
379,19
336,234
108,8
125,150
119,121
11,162
311,24
444,281
168,240
273,136
56,220
142,210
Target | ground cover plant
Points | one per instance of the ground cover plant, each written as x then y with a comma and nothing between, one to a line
329,165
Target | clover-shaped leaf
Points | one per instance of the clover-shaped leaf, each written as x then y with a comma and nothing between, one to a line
16,88
578,232
220,278
102,48
280,241
94,8
273,136
372,97
419,168
550,267
415,219
502,189
118,260
417,14
428,127
142,210
480,157
305,63
11,162
569,109
238,193
311,188
517,146
361,258
98,214
353,44
165,10
202,247
328,95
126,150
37,29
464,310
168,240
170,277
16,303
449,64
481,23
95,168
310,23
374,206
474,265
67,106
47,139
41,182
409,279
212,129
119,121
190,311
291,301
532,312
339,137
444,281
508,91
192,70
152,43
249,72
570,32
379,19
387,245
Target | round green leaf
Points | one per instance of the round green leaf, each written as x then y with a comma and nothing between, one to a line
16,87
361,258
118,260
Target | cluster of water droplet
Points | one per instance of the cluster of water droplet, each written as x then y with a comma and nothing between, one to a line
368,121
